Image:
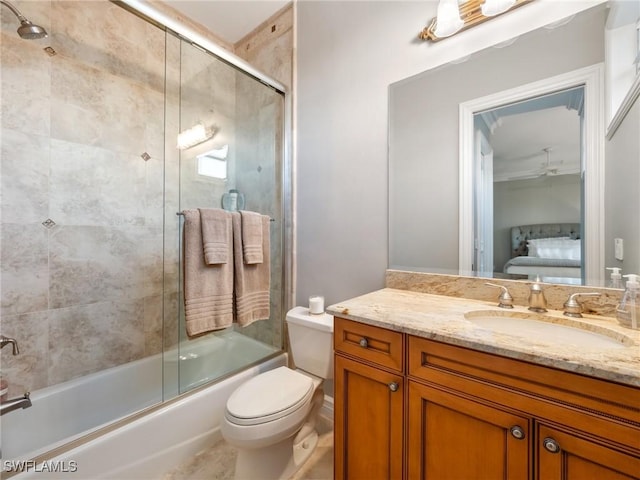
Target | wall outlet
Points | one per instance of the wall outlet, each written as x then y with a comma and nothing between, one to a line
618,248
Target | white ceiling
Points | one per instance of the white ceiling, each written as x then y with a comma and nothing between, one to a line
230,20
521,142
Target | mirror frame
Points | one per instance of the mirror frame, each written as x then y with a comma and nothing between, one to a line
592,78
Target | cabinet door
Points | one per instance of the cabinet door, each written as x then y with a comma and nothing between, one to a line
452,437
566,456
368,422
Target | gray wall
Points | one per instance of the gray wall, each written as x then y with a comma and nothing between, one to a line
347,55
622,177
423,133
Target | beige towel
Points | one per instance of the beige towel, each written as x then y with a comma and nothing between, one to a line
251,237
252,282
208,289
216,235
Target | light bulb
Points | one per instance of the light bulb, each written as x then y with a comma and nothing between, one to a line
448,20
491,8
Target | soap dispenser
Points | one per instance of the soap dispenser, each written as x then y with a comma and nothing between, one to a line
616,278
628,312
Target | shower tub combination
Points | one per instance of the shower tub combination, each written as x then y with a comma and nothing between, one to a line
153,443
143,418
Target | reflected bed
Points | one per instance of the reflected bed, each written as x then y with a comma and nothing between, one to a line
551,251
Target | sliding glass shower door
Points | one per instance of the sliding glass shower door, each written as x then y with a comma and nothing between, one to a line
227,129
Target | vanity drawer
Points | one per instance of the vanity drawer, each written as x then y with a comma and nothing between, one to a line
373,344
463,368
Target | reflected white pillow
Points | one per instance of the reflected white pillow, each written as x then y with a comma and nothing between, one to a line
561,247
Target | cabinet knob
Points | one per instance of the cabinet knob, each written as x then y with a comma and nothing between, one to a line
551,445
364,343
393,386
517,432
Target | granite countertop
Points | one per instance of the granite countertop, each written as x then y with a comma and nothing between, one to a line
442,318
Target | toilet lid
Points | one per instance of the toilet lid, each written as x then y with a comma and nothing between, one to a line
272,394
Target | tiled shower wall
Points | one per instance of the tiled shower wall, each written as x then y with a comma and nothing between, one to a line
85,264
82,211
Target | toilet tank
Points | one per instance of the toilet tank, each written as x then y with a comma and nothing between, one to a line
311,341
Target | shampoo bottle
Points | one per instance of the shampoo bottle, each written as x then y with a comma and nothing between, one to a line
628,312
616,278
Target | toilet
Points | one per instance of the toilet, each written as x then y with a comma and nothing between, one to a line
271,418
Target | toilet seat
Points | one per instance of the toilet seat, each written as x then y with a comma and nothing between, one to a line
269,396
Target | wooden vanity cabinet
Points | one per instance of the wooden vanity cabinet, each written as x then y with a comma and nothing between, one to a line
369,402
457,437
474,415
564,426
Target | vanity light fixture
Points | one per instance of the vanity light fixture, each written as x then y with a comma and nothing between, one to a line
193,136
455,16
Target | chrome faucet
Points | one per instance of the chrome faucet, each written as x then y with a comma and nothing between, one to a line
572,308
537,300
6,341
12,404
505,300
15,403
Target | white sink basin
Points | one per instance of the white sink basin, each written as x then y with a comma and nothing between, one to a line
549,329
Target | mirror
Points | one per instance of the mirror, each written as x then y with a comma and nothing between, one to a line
431,199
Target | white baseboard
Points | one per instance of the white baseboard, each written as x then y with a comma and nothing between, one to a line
327,408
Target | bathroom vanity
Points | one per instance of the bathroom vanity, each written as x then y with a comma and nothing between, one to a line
425,389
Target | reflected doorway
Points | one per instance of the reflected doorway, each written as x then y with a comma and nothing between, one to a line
528,158
589,229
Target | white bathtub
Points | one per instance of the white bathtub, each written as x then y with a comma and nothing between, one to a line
147,447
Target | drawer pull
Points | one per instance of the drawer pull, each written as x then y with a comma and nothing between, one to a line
551,445
364,343
393,386
517,432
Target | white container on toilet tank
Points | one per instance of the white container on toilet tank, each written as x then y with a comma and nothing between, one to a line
311,340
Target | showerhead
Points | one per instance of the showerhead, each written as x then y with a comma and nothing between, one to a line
30,31
26,29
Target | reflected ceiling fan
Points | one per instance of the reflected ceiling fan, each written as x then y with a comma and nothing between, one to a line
546,168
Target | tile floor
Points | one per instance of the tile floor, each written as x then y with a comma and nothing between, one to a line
218,463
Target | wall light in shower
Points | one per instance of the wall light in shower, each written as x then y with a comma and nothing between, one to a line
194,135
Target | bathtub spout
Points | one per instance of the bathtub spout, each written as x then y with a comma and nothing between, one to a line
15,403
6,341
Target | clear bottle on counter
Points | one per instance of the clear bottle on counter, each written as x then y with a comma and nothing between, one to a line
616,278
628,312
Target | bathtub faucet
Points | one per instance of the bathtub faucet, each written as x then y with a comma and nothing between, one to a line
6,341
15,403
